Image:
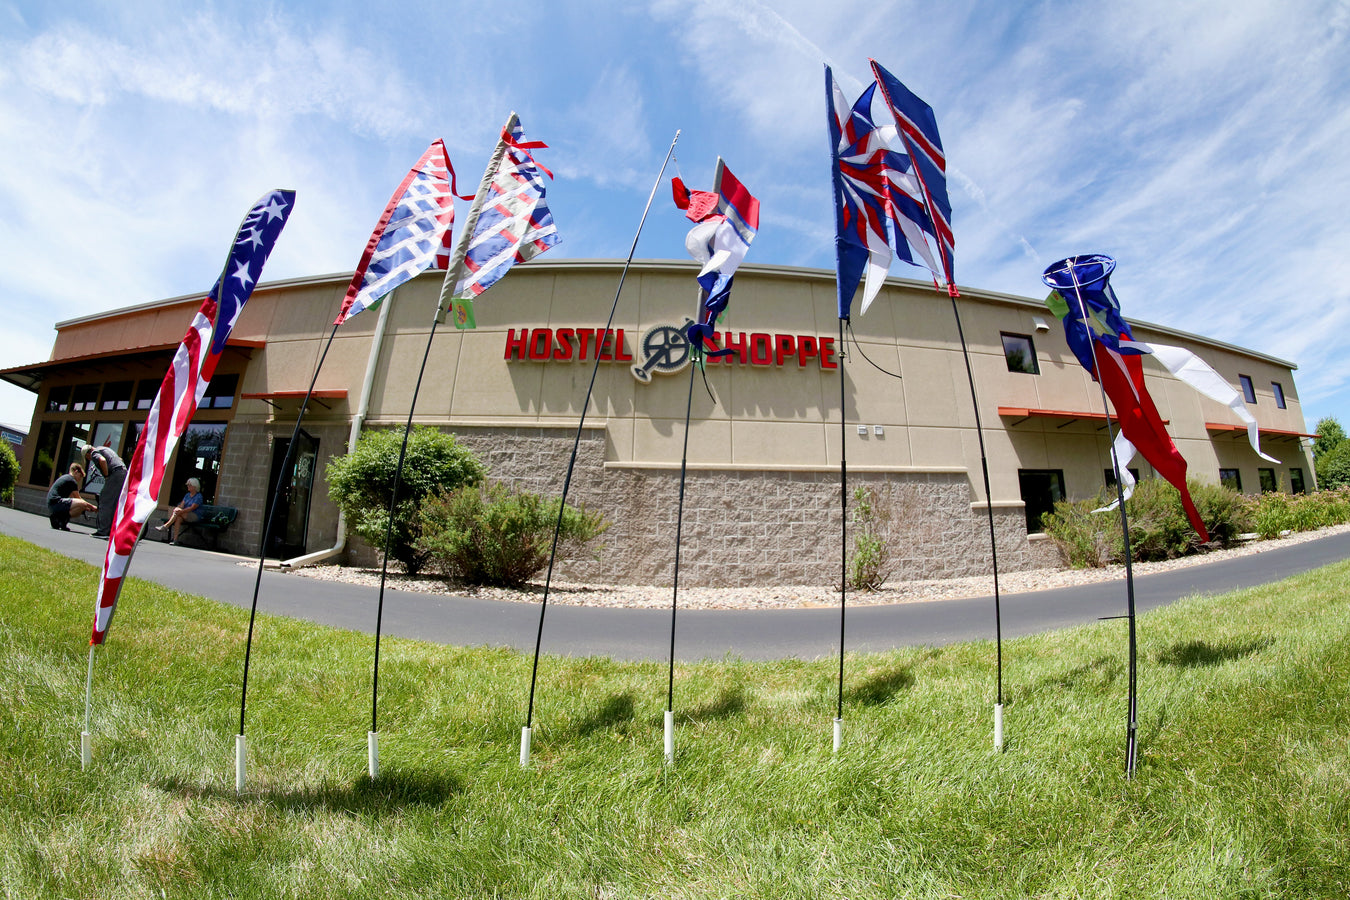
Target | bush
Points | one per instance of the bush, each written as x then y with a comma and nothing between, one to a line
362,482
1159,528
9,472
491,535
1274,513
871,563
1333,467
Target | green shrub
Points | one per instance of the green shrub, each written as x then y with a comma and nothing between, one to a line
492,535
1333,467
871,562
1159,528
9,472
1276,512
362,482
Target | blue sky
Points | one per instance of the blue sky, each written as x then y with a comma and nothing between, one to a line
1205,145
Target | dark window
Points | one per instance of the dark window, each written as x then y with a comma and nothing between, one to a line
58,399
1248,392
1020,353
132,436
1267,477
77,433
1041,489
86,398
116,395
44,454
1279,394
146,391
198,456
1296,485
1231,478
220,392
1110,475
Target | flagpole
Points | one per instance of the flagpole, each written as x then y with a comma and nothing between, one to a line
1132,720
86,748
843,540
675,590
239,751
527,730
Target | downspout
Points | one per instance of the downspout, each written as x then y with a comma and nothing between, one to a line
376,342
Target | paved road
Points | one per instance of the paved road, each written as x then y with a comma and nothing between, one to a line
645,634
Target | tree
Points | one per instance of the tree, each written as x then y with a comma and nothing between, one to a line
1331,454
9,471
361,483
1330,434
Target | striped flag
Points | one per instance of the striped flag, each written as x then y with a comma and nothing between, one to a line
919,201
862,232
412,235
193,365
510,222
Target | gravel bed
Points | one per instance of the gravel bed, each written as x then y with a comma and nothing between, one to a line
788,597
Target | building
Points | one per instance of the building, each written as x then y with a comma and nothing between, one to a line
764,444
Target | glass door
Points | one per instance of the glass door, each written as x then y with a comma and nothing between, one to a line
291,523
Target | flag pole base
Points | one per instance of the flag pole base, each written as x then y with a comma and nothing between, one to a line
838,734
670,737
998,726
239,748
373,754
525,747
86,750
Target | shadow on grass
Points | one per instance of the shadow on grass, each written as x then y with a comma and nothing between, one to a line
1100,673
731,702
880,686
395,790
617,710
1192,654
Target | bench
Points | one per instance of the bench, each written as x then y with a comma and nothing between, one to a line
211,521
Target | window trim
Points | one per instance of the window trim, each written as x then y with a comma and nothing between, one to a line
1031,352
1278,390
1248,388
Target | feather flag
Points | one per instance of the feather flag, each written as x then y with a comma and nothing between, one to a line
412,235
510,222
173,407
727,220
1104,345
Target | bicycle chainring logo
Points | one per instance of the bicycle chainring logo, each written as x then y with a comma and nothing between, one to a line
665,349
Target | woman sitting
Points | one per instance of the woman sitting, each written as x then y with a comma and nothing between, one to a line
186,511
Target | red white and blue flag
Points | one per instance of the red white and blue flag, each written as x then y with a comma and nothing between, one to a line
919,204
412,235
513,223
727,220
862,241
193,365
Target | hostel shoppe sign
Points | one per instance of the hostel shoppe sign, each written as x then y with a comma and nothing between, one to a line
665,349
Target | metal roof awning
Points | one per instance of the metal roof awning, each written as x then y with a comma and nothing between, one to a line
276,399
1217,428
30,376
1068,416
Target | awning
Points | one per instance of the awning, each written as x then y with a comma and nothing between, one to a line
30,376
1217,428
1065,416
276,399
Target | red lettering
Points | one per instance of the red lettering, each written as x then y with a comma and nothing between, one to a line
606,344
738,344
541,343
806,348
620,353
785,346
564,347
584,336
515,346
761,349
827,357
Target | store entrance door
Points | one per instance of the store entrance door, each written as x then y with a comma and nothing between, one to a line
291,523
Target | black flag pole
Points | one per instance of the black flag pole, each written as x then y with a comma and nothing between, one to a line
843,539
1132,718
239,741
675,578
527,730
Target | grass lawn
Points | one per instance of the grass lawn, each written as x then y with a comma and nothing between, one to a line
1243,787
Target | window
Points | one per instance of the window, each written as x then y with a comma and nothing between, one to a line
198,457
58,399
1110,475
116,395
1020,353
220,392
1267,477
85,398
1296,485
1278,390
44,454
146,391
1248,392
1041,489
1231,478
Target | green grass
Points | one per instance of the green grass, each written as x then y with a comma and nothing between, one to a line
1241,792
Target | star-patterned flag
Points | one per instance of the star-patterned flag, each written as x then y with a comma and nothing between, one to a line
193,365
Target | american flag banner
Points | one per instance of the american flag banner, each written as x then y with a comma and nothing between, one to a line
193,365
511,222
919,179
412,235
858,172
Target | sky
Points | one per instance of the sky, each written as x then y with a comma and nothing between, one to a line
1205,145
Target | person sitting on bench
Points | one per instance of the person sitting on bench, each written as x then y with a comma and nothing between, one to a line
186,511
